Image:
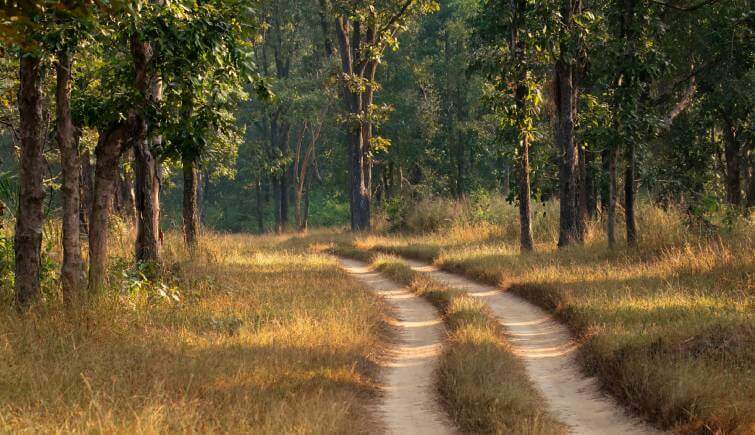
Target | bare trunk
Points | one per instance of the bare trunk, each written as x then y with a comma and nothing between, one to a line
731,168
523,135
146,166
305,223
29,220
72,270
612,195
525,208
260,216
359,174
147,195
128,202
298,212
360,194
583,214
190,210
108,151
565,94
86,187
590,189
629,193
751,179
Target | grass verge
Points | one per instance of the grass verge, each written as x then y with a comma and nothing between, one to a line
667,326
256,335
485,386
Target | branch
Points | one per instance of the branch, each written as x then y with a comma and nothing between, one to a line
397,17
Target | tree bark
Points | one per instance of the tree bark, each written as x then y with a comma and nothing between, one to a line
147,195
357,102
612,195
260,215
582,194
86,187
72,270
108,151
732,175
751,179
125,192
30,217
146,165
523,161
190,209
565,99
629,195
589,186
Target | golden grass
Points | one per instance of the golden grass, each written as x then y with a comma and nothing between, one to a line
667,326
484,385
265,337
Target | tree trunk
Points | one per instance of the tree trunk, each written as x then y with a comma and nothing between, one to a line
520,99
731,168
72,270
305,222
629,196
126,192
86,187
260,205
356,103
589,186
108,151
583,215
751,179
146,166
298,212
612,195
565,96
360,194
190,209
525,209
605,183
30,217
147,195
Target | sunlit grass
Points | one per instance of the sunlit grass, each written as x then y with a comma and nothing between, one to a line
266,337
667,326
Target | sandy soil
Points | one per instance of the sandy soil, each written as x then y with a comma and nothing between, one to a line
549,352
409,404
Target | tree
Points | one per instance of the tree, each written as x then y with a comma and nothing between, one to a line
565,99
511,54
364,30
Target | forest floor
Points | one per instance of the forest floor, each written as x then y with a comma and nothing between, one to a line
262,336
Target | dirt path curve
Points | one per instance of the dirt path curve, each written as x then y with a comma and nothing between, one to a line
410,402
549,352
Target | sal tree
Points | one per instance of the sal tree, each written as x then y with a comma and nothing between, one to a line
365,29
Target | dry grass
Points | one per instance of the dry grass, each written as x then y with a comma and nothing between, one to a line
265,337
667,326
485,386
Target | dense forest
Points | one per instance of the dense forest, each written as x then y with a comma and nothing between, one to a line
150,149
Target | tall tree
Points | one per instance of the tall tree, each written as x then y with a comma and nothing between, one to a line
364,30
565,98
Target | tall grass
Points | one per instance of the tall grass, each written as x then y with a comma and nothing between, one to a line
667,326
251,335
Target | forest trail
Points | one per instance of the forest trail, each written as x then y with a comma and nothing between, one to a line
549,353
410,403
